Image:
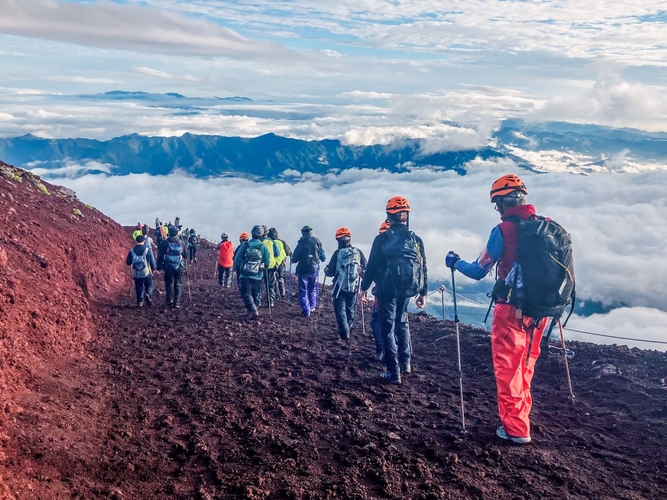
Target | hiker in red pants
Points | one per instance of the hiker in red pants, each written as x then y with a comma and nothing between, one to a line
515,337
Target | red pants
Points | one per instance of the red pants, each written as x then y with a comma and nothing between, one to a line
510,348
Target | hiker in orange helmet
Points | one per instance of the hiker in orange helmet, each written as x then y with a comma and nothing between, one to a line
397,265
515,338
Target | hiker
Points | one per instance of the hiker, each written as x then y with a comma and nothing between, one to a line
244,236
148,241
225,261
346,266
137,231
142,261
515,336
170,259
193,241
285,251
275,253
397,265
252,258
308,254
375,316
177,223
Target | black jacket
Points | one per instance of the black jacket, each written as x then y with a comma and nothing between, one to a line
331,266
377,261
308,254
162,250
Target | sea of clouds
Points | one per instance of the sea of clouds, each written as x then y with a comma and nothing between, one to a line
618,224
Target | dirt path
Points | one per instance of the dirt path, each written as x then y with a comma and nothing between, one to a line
196,403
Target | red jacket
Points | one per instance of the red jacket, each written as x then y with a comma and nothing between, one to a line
226,254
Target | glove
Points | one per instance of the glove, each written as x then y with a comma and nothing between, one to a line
451,260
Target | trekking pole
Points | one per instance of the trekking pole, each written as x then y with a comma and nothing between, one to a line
442,300
458,349
567,365
187,280
268,293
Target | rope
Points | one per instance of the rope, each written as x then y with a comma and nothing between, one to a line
616,337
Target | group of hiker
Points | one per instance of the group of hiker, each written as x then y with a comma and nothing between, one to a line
533,284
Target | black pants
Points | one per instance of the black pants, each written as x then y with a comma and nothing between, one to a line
225,276
280,279
193,253
173,277
251,290
143,287
271,273
345,306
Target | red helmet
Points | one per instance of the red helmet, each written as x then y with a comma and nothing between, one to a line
343,232
397,205
505,185
244,236
384,226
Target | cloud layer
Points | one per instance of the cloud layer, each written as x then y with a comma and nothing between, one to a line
618,222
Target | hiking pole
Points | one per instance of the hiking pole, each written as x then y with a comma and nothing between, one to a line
567,365
289,280
458,350
268,293
187,280
442,300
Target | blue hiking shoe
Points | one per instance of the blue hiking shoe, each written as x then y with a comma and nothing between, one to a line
502,434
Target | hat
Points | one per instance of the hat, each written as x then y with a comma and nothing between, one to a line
140,238
306,229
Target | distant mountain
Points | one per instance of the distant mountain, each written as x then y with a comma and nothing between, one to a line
123,95
542,147
267,156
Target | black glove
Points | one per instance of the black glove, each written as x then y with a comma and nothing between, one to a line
451,259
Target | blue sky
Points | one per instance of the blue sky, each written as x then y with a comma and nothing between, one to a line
418,61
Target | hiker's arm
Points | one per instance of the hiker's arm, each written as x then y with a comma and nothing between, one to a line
151,261
321,253
128,260
487,258
424,289
375,262
160,255
266,256
364,261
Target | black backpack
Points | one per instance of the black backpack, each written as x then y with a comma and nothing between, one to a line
252,260
545,283
404,276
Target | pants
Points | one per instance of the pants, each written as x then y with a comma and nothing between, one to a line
345,306
377,332
393,315
173,277
143,287
271,273
307,292
251,290
225,276
514,357
193,253
280,279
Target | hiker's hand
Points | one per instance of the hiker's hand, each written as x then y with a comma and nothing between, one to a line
364,298
451,259
421,301
326,269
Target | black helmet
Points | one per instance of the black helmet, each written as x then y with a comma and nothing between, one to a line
192,231
224,236
306,229
173,230
257,231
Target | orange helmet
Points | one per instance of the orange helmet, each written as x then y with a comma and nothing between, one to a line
397,205
343,232
244,236
505,185
384,226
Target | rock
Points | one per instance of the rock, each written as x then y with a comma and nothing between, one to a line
3,257
394,436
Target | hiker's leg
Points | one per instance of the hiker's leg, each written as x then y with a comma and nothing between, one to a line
402,332
387,313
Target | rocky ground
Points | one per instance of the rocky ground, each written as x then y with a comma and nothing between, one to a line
158,403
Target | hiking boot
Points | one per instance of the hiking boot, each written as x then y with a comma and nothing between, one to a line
140,304
177,305
148,300
305,314
406,369
392,378
502,434
252,315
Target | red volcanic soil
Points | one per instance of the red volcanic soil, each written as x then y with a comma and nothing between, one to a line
104,400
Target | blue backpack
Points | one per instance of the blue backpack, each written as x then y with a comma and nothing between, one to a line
173,259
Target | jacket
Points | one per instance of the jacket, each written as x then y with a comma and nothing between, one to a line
308,254
282,255
330,269
377,261
139,250
226,254
162,250
239,260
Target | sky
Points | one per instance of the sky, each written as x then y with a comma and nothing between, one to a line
365,72
359,69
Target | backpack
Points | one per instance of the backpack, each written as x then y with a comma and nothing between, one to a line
252,260
172,258
193,240
404,276
348,265
140,267
542,283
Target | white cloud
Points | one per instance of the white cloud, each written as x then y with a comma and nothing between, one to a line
618,222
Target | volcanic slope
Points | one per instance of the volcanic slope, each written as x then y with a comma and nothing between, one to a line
196,403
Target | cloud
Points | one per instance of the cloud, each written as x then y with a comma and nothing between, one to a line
109,25
629,322
165,75
617,221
